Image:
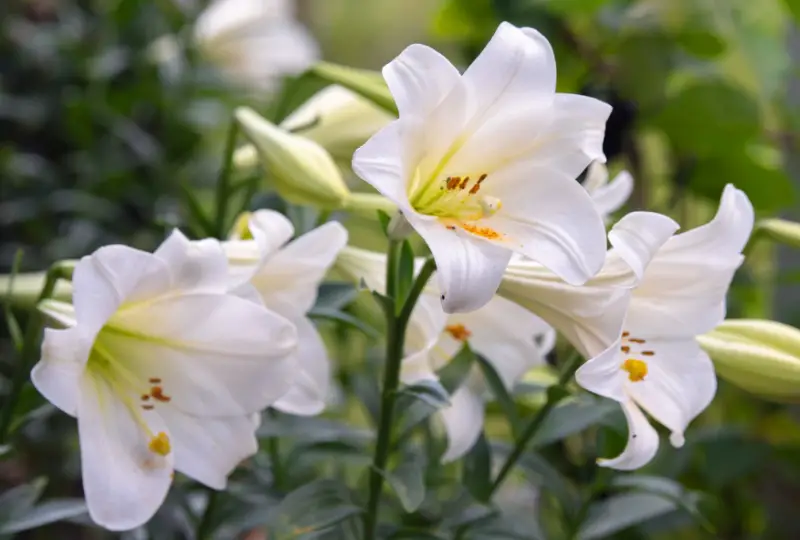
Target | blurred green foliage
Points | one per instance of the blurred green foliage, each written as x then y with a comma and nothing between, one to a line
100,143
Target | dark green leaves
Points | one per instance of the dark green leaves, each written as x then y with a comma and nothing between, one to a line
312,510
710,117
477,469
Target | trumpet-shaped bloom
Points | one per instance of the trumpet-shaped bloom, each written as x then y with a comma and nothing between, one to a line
255,42
286,277
163,369
484,164
656,363
509,337
608,196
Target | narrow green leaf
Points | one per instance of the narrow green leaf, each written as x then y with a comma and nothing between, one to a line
477,470
17,501
620,512
453,374
311,509
369,84
431,392
408,482
344,318
501,394
48,512
14,329
384,219
335,295
572,417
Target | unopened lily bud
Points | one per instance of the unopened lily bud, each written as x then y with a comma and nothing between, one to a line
759,356
780,230
337,119
301,170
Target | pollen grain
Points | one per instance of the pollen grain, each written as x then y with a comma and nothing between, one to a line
486,232
637,370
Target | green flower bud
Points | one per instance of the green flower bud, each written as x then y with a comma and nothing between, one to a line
759,356
301,171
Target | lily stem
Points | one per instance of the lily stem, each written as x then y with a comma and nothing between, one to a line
205,528
555,394
275,455
396,326
223,184
30,345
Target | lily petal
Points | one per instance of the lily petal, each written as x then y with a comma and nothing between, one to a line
468,269
124,482
111,275
270,230
575,134
57,376
380,162
679,385
638,237
603,375
463,422
611,197
216,355
426,325
209,449
419,79
684,290
307,396
550,218
198,266
642,441
289,280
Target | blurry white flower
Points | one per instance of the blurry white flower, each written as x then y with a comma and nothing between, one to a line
484,164
286,277
608,196
337,119
163,370
508,336
656,362
254,42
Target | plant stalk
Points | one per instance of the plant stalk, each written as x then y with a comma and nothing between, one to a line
223,184
555,394
395,337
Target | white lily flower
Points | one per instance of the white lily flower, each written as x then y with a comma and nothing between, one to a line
656,363
508,336
608,196
286,277
163,370
484,164
255,42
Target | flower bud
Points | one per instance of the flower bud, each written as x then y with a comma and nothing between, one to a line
301,171
337,119
759,356
780,230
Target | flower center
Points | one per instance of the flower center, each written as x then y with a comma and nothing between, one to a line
127,383
458,331
635,366
456,199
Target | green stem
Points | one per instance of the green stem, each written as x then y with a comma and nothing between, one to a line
205,528
30,347
555,393
366,204
223,184
275,456
396,326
